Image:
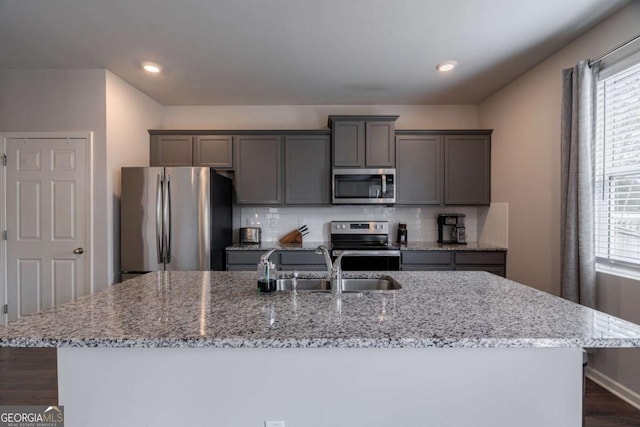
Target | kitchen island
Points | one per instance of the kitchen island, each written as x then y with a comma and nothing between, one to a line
203,348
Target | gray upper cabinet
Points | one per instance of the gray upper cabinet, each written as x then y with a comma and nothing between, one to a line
348,144
214,151
307,170
467,169
363,141
171,150
380,144
419,163
258,177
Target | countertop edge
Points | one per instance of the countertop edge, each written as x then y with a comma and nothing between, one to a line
324,343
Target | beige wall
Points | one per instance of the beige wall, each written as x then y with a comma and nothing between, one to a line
86,100
129,114
619,296
525,116
62,101
315,116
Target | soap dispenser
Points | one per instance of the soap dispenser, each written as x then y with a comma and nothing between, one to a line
266,276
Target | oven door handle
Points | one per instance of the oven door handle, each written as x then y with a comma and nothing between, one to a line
365,252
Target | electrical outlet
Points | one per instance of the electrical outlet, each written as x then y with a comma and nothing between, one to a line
274,424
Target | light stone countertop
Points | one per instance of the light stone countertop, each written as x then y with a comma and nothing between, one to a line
435,246
266,246
223,309
411,246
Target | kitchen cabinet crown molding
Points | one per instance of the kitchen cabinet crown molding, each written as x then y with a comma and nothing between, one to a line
205,132
366,118
444,132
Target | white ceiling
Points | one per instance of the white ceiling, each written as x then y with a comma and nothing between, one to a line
294,52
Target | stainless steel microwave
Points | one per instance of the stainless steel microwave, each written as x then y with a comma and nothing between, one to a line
360,186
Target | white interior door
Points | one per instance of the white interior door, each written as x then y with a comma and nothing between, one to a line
46,222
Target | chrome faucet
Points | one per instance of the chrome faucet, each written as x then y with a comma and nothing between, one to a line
336,271
331,269
322,249
265,258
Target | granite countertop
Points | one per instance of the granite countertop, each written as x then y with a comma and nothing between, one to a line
267,246
411,246
223,309
435,246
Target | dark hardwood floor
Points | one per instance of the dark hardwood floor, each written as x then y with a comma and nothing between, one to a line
28,376
603,409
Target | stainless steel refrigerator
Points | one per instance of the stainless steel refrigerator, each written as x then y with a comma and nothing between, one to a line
173,218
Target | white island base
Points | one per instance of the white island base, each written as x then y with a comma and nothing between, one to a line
305,387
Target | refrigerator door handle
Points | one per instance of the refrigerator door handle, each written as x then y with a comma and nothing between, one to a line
159,240
167,219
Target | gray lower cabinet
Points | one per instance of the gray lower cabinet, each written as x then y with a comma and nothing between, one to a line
427,260
363,141
491,261
419,164
214,151
307,170
301,261
258,174
243,260
467,170
285,260
171,150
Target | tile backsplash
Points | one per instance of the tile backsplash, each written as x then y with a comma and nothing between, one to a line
421,221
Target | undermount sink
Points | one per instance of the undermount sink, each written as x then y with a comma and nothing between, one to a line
379,284
348,284
304,285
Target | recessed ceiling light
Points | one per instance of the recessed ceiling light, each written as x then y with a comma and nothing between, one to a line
151,67
446,66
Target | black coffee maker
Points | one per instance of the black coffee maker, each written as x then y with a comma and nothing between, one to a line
451,229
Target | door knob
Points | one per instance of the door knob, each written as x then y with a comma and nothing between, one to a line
78,251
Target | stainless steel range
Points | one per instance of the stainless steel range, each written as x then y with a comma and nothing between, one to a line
363,236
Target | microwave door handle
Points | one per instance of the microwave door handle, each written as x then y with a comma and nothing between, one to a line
384,185
159,233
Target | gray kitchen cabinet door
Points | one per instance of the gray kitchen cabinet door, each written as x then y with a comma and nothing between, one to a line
492,261
419,171
467,168
301,261
380,144
171,150
348,144
307,174
258,177
214,151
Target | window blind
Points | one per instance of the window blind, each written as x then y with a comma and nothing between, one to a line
617,175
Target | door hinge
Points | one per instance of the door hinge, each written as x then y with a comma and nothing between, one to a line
5,235
5,309
4,160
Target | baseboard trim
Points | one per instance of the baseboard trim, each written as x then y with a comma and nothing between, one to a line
623,392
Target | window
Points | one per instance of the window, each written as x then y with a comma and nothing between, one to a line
617,175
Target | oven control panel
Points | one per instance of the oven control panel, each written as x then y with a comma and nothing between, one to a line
359,227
